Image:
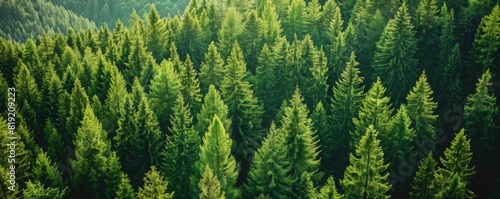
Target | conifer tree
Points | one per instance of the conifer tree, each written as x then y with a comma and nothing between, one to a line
269,170
265,88
30,58
91,151
244,110
127,127
394,60
230,30
145,144
421,108
480,114
78,102
300,139
364,177
112,174
125,190
319,84
50,93
454,188
329,190
215,152
250,41
427,30
54,141
212,69
322,128
212,105
312,19
425,183
190,38
164,89
179,154
456,162
190,85
294,22
397,141
154,186
486,45
156,34
137,59
27,94
46,173
281,56
447,40
375,110
210,185
115,102
270,24
37,190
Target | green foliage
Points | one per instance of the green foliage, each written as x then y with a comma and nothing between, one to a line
301,140
480,113
397,141
487,41
270,167
394,60
270,25
294,22
265,88
212,105
364,177
427,33
212,69
456,163
425,183
421,107
230,30
37,190
329,190
154,186
46,173
78,101
156,34
318,85
191,38
244,110
190,85
115,102
179,155
215,152
125,190
210,185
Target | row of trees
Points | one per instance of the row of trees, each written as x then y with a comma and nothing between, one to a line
223,101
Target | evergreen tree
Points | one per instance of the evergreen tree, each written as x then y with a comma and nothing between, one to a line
480,113
329,190
397,141
375,110
301,140
54,141
212,69
456,162
230,30
364,177
115,102
190,85
210,185
265,88
78,103
425,183
191,38
154,186
294,22
486,45
270,167
281,56
164,89
270,25
137,58
427,30
37,190
212,105
46,173
30,58
319,84
394,60
244,110
179,155
156,34
50,93
215,152
421,112
125,190
250,41
91,151
454,188
312,19
321,127
112,174
27,94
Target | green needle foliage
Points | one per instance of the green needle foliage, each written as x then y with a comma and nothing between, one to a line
154,186
210,185
426,183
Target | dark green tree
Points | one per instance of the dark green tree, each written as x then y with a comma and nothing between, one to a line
77,107
115,102
427,24
181,149
210,186
329,190
480,114
190,85
125,190
230,30
191,38
270,167
318,86
397,141
293,24
156,34
364,177
394,60
265,88
270,24
212,105
212,69
250,41
425,183
486,45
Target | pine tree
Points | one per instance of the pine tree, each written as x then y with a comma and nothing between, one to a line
190,85
270,25
265,85
300,139
212,69
190,38
125,190
394,60
480,114
113,176
30,58
294,22
50,93
78,102
37,190
215,152
375,110
425,183
427,34
244,110
27,94
145,144
210,185
115,102
319,84
212,105
312,19
486,46
46,173
230,30
250,41
164,89
397,141
456,162
54,141
364,177
269,170
329,190
137,58
179,155
154,186
321,127
454,188
281,56
91,151
156,34
421,112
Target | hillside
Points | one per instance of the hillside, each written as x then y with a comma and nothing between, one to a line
22,19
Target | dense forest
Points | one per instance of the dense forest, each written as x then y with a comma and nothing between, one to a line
250,99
